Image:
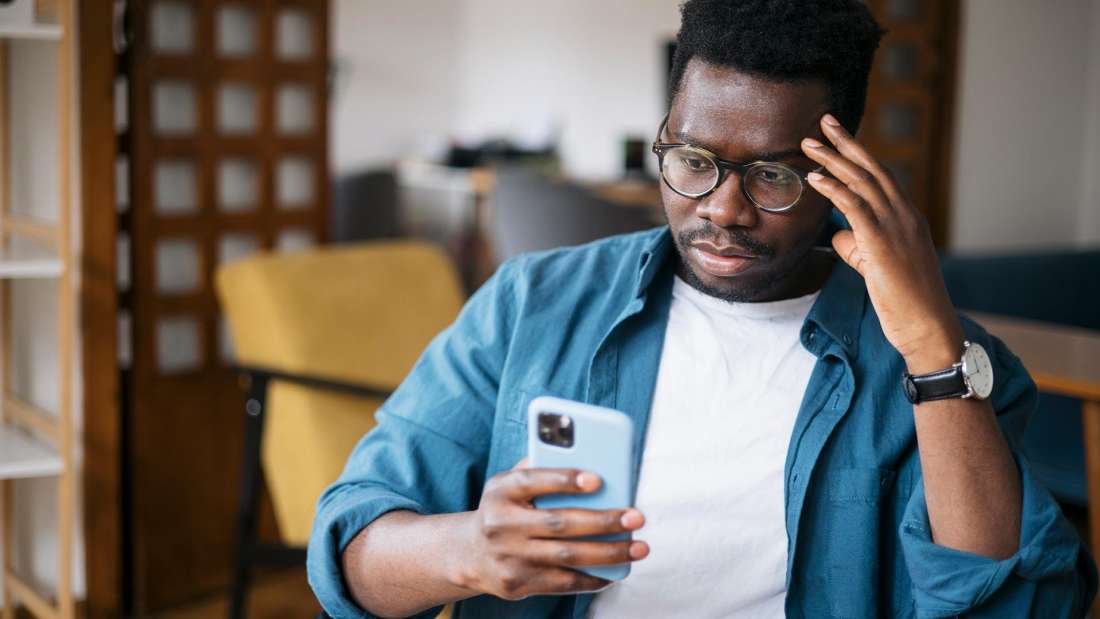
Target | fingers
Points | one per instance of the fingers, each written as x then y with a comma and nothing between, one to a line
851,205
522,484
844,242
565,580
859,180
855,152
578,522
581,553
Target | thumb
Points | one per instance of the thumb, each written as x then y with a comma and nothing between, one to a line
522,464
844,242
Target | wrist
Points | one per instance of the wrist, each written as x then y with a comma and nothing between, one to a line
936,352
458,566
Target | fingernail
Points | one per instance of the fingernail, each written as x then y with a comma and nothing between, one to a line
639,550
588,481
830,120
632,519
812,143
814,176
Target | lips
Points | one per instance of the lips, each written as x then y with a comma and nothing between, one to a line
721,261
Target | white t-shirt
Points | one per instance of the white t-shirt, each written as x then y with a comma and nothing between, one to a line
730,383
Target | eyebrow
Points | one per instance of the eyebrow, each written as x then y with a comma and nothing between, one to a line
777,155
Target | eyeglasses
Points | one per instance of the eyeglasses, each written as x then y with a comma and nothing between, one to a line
694,172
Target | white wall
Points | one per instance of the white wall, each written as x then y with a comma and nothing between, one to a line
410,73
396,77
1026,125
594,68
1090,160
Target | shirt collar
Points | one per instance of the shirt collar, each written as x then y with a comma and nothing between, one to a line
655,254
838,311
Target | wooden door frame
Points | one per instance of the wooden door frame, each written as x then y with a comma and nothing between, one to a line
102,436
941,31
944,118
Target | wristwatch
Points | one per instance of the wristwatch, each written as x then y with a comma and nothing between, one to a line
971,377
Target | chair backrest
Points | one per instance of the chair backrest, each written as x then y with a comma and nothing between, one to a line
532,212
1061,287
1053,286
357,314
365,206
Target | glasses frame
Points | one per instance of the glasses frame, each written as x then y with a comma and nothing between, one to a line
724,167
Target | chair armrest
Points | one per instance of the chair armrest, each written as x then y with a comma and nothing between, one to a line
315,382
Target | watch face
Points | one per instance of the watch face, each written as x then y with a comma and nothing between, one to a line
978,371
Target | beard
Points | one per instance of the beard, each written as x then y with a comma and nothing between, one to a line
773,269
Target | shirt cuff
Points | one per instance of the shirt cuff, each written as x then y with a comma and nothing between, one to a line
339,520
949,582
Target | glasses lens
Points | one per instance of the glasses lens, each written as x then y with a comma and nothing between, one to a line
773,186
689,171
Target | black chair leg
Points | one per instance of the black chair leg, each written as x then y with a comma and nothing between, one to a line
249,495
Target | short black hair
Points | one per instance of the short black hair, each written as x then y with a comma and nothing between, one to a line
785,40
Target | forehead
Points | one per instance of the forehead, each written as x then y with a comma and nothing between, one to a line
736,114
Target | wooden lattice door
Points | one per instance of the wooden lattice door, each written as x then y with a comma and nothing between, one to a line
226,154
910,103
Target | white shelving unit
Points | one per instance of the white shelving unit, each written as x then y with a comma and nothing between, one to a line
47,32
34,264
24,457
35,443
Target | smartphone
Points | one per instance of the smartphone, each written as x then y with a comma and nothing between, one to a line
567,434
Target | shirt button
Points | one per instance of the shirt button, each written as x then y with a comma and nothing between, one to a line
847,339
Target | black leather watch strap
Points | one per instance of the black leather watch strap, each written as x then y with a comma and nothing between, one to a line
939,385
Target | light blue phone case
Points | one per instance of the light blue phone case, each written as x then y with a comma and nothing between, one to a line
603,442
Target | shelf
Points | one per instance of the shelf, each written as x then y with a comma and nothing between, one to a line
31,263
22,456
39,32
30,269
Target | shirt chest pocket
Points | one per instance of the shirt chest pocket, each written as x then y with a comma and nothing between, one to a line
856,541
509,444
862,486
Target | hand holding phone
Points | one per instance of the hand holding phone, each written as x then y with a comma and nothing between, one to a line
539,529
563,433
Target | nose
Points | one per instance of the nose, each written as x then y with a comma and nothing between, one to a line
728,206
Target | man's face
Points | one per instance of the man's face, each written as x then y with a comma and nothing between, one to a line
743,118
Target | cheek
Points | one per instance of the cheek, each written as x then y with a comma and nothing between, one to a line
800,229
791,227
678,209
816,205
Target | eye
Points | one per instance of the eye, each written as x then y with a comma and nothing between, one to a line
775,175
692,163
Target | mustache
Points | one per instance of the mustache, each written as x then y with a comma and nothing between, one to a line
720,237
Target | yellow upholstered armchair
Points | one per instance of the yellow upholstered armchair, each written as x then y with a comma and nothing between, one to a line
322,337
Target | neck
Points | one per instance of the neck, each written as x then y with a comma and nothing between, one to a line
808,277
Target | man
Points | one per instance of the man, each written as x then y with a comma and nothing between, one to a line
784,465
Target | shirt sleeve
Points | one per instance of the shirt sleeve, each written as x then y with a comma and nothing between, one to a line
1051,574
429,448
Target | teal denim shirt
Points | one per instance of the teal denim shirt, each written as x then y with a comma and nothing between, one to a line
588,323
